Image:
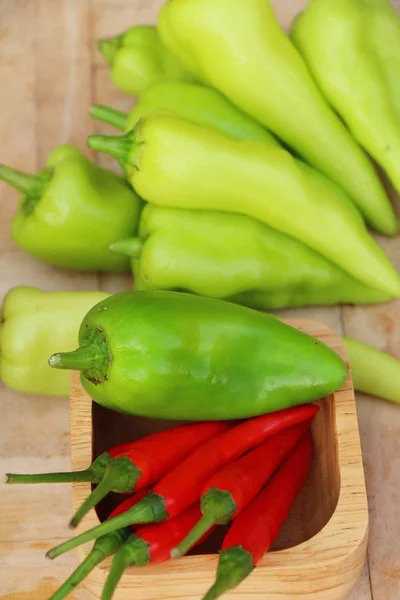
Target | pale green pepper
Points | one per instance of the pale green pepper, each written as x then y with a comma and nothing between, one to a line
238,47
352,48
234,257
138,58
34,325
71,211
374,372
173,162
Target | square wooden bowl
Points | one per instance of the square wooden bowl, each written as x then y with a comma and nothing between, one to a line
319,554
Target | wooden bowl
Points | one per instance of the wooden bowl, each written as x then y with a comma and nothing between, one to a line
319,554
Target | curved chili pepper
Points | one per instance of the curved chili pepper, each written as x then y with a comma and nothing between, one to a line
181,487
229,491
150,543
133,465
254,530
103,548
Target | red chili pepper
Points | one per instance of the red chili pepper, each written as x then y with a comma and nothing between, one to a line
133,465
181,487
150,544
254,530
103,548
229,491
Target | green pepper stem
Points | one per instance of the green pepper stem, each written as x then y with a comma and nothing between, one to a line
131,247
121,562
31,185
235,564
109,48
94,474
217,507
113,117
116,146
120,476
103,547
149,510
81,359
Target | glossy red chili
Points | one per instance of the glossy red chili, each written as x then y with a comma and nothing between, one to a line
150,544
133,465
253,531
229,491
181,487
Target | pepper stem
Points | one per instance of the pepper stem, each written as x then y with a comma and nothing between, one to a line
81,359
93,474
131,247
217,507
103,547
120,477
92,358
117,146
30,185
113,117
122,561
149,510
235,564
109,47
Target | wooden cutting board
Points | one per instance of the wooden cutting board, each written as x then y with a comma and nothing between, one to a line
50,74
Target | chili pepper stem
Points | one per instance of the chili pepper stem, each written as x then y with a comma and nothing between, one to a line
31,185
149,510
235,564
113,117
116,146
109,48
103,547
217,507
93,474
131,247
120,476
122,561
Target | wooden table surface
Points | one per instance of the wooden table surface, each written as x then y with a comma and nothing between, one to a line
50,74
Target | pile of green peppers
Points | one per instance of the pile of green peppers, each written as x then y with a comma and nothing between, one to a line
244,182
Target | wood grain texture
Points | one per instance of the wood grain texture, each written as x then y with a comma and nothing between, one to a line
326,565
44,98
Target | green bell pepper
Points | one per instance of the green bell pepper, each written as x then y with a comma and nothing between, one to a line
34,324
238,47
177,356
138,58
173,162
234,257
365,90
71,211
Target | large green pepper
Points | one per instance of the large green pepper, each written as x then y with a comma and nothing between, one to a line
231,256
177,356
364,90
238,47
71,211
138,58
34,325
173,162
